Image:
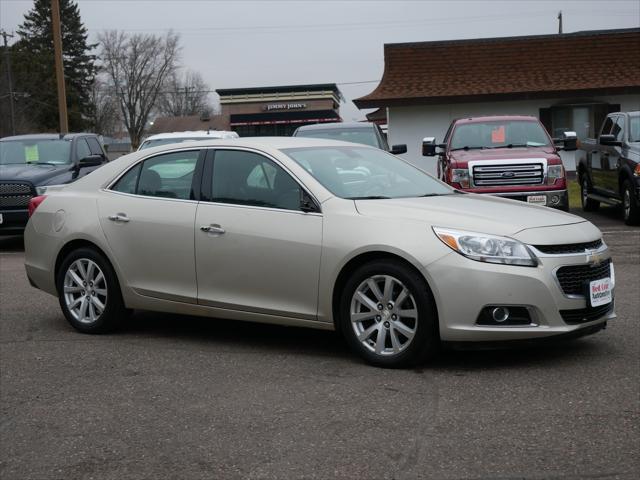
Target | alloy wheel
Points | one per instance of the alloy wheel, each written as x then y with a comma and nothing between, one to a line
85,290
626,203
384,315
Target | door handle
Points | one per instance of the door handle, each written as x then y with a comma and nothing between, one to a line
119,217
213,228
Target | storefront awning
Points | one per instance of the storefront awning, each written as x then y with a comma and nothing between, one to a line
275,118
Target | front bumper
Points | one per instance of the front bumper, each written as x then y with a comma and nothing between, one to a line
463,288
13,222
555,198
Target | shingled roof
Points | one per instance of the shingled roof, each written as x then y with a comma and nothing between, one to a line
541,66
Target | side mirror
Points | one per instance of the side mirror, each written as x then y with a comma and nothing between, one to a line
429,147
609,140
398,149
570,140
91,161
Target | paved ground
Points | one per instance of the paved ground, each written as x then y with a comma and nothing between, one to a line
179,397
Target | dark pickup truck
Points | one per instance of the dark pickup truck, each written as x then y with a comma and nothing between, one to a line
609,166
29,164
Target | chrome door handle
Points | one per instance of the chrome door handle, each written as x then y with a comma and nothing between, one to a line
119,217
213,228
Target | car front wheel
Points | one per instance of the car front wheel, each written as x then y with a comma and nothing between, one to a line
388,316
630,205
588,204
89,293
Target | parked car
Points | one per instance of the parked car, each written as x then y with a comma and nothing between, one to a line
356,132
29,164
276,230
510,156
188,136
609,166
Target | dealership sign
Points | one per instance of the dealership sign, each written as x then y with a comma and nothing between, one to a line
284,106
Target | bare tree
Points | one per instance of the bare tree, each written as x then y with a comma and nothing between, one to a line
137,67
106,116
184,95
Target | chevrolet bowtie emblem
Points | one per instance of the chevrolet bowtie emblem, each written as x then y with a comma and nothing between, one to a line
593,257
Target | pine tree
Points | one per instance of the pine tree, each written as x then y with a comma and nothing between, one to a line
35,72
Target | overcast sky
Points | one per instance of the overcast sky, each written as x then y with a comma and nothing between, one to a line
262,43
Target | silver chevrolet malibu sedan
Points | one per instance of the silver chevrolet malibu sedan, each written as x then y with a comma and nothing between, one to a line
315,233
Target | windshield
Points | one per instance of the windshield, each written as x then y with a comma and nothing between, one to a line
166,141
361,173
16,152
366,136
634,128
496,134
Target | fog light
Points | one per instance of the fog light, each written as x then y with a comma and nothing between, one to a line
500,314
555,199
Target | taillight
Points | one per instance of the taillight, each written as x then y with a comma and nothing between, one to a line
35,203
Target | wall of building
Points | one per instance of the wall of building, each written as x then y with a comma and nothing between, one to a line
410,125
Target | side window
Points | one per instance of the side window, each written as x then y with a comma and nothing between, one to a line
94,146
82,149
246,178
618,129
129,181
169,176
606,127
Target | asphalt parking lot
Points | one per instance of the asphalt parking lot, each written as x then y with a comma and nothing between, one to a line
181,397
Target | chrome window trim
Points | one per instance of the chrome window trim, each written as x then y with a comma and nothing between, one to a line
135,195
281,165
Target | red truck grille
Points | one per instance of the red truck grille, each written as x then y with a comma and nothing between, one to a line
501,175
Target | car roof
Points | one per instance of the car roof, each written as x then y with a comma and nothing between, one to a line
336,125
190,134
47,136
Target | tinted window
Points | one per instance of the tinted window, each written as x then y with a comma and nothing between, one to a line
618,129
82,149
94,146
606,127
246,178
634,128
169,176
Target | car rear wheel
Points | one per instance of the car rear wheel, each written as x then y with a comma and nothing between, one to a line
588,204
630,205
387,315
89,293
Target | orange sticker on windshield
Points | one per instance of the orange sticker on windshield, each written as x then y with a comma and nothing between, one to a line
497,134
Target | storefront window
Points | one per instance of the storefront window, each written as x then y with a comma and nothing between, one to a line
584,119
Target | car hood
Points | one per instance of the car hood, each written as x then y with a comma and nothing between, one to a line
36,174
462,156
486,214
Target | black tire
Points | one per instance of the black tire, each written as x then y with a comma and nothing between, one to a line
426,338
114,310
588,204
630,207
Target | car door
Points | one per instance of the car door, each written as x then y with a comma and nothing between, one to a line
148,219
599,160
610,176
256,250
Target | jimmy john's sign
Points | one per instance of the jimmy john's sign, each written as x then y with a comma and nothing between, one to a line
284,106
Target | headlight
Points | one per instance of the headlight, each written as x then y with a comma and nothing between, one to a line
487,248
553,173
43,189
461,176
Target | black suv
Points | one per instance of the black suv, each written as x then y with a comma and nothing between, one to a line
30,163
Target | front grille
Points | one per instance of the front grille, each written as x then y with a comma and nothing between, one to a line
514,174
15,194
569,247
583,315
573,278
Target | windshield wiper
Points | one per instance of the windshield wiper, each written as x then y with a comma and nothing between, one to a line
370,197
510,145
466,147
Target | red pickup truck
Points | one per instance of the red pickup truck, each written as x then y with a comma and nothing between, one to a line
510,156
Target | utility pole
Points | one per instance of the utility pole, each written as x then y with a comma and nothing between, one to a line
9,80
57,53
560,22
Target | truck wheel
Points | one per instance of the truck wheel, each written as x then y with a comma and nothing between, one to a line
588,204
630,205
